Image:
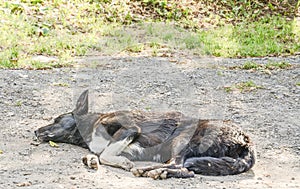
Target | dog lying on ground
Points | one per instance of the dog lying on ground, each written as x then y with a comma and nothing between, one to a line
185,145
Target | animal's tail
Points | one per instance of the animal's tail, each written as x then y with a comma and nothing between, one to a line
223,165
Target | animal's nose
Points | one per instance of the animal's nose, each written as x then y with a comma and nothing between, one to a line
36,133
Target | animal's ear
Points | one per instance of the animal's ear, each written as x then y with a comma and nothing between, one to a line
82,105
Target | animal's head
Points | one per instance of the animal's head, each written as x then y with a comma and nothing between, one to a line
64,128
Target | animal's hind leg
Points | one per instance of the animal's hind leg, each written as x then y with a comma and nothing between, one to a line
162,171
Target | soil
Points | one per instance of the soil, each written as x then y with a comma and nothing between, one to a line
268,111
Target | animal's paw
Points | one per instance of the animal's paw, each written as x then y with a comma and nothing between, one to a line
127,165
143,171
139,172
91,161
164,173
160,173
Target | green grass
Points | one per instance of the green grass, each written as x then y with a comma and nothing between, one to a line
271,65
252,40
250,65
68,29
272,36
278,65
246,86
18,103
29,29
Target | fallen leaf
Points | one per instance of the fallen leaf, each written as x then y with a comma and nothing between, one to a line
1,152
53,144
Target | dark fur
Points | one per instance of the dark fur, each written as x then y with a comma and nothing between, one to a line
208,147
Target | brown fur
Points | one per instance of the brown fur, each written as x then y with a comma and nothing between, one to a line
188,145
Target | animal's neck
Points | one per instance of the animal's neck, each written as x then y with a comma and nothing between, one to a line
85,125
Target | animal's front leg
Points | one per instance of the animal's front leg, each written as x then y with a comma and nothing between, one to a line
91,160
111,155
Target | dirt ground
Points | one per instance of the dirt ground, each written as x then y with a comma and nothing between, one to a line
196,86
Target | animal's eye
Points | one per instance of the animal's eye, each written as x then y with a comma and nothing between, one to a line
59,118
56,120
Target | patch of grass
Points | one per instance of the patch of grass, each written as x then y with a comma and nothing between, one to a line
192,41
219,73
269,36
255,39
228,89
246,86
271,65
250,65
67,29
19,103
25,33
136,48
37,65
298,83
219,41
278,65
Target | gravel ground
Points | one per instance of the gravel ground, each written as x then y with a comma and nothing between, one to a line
196,86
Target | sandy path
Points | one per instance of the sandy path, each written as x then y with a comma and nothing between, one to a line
30,99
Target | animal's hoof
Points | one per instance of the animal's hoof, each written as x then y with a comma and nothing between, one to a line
91,161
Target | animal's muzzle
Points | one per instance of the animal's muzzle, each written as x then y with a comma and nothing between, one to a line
37,136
